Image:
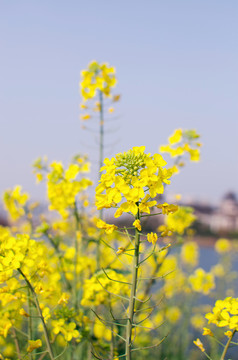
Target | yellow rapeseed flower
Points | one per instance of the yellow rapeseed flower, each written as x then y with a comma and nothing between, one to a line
97,77
207,331
167,208
199,344
14,201
190,253
34,344
109,228
152,237
137,224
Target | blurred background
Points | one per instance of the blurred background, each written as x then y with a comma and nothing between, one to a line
176,64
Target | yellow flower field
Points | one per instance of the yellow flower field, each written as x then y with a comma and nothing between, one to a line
77,284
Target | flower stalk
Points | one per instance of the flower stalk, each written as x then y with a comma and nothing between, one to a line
47,339
101,151
133,292
227,345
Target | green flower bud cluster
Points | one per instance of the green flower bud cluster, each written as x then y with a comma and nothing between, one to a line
65,313
131,162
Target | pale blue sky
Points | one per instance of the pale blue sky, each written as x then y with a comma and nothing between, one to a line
176,63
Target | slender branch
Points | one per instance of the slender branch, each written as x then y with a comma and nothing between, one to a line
14,336
47,339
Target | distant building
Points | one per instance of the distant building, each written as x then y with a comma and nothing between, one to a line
223,218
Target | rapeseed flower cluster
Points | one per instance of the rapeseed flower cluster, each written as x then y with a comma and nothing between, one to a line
225,313
183,142
14,201
97,77
63,185
132,179
202,281
180,220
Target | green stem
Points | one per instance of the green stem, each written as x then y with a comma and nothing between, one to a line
133,294
227,346
101,155
61,257
14,336
76,257
30,332
101,119
47,339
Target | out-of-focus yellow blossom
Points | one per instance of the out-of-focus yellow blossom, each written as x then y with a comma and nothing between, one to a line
101,331
165,230
168,267
34,344
228,333
218,270
97,77
126,179
167,208
185,141
175,282
190,253
181,219
116,98
121,250
137,224
39,177
23,313
95,290
111,110
197,321
222,246
225,313
207,331
176,136
159,317
68,330
9,352
152,237
83,106
85,117
64,299
173,314
109,228
14,202
199,344
5,325
201,281
63,187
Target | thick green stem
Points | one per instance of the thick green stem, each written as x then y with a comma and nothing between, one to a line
47,339
133,294
227,346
